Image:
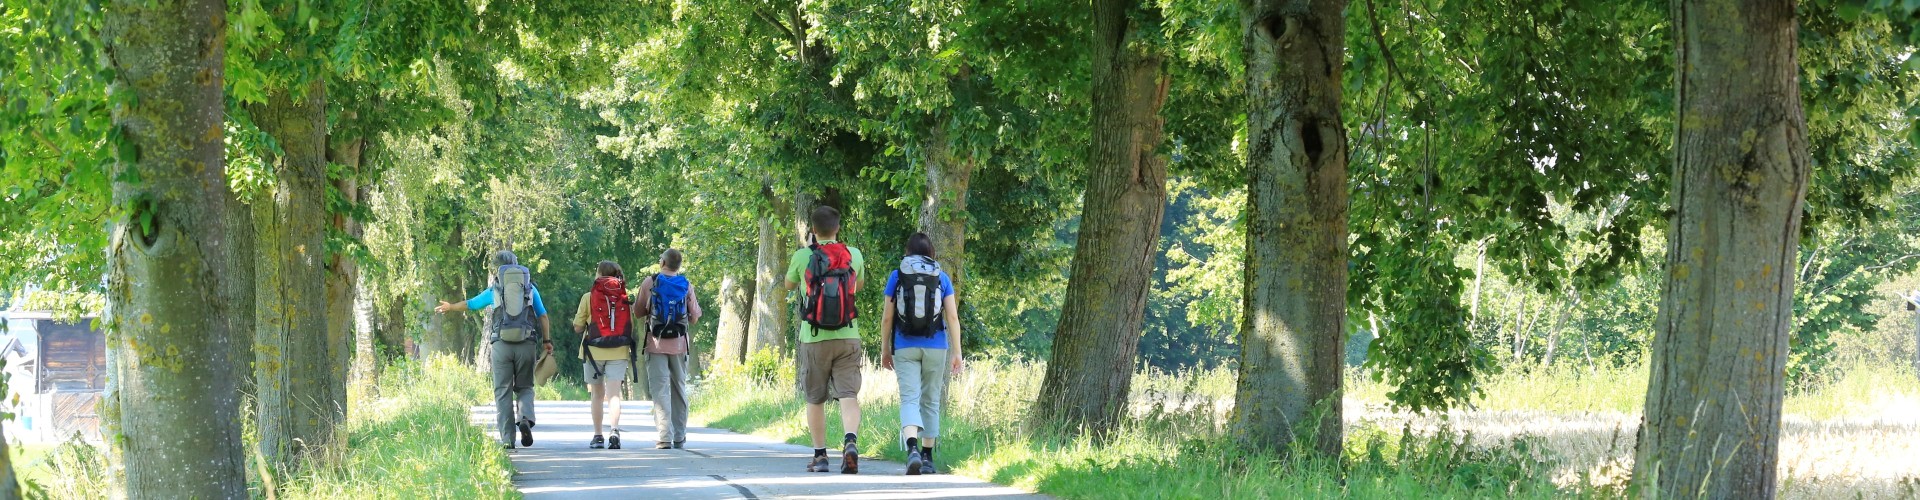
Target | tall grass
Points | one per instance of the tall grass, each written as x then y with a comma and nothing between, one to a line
414,440
1174,446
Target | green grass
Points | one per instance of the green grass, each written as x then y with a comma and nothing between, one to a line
1859,390
412,441
561,389
1174,448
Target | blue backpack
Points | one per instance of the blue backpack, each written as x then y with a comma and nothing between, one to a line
669,305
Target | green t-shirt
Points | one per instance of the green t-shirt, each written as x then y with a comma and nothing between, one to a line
797,273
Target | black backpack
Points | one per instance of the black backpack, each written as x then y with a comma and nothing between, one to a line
917,300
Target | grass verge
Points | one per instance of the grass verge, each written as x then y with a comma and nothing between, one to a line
1174,448
412,440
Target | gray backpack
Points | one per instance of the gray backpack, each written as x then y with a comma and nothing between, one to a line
513,296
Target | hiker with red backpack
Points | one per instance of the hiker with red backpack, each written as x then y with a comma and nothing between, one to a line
920,342
605,322
518,329
830,355
670,308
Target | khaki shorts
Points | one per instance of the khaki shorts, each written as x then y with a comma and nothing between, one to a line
830,369
615,369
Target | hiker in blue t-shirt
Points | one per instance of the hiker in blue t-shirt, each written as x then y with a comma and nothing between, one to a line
923,347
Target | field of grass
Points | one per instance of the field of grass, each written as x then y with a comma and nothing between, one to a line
1556,432
410,438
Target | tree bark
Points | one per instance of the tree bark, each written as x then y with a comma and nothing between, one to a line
172,407
392,337
730,338
1087,381
342,273
943,216
240,296
769,323
294,366
1712,423
1293,334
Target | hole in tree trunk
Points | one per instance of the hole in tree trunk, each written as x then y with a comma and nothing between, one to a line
144,221
1275,26
1310,139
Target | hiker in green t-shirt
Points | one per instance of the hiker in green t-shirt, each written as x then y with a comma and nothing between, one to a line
830,356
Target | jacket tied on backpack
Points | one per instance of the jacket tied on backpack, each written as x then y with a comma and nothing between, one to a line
917,299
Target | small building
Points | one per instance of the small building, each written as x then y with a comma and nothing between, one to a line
56,373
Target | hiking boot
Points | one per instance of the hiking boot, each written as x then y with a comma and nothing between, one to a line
850,458
926,468
613,441
818,464
526,432
598,442
509,445
679,445
663,445
914,463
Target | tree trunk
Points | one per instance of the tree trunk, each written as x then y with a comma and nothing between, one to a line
1293,334
943,216
730,338
1087,381
294,369
1712,423
769,323
366,358
173,408
392,337
445,334
342,274
240,296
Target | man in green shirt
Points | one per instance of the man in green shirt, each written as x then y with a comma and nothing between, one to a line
829,355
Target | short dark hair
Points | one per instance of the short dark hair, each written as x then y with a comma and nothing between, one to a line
611,268
670,260
920,244
505,258
825,220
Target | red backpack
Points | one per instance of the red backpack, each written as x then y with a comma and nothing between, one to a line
831,284
612,313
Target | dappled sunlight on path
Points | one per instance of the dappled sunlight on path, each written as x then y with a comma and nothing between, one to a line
715,464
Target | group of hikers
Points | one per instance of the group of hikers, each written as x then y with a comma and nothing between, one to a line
920,343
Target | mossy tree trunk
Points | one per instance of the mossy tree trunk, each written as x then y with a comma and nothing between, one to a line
1088,378
768,324
294,367
943,216
173,408
1293,333
730,337
1712,422
342,271
446,335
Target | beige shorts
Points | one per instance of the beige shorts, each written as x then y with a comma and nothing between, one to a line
830,369
615,370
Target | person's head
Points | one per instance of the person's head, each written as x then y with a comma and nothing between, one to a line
920,244
825,221
670,260
505,258
610,268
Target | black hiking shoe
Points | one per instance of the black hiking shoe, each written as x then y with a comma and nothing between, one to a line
818,464
613,441
598,442
850,458
679,445
526,432
914,463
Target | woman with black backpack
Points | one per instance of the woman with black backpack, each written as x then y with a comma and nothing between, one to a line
922,346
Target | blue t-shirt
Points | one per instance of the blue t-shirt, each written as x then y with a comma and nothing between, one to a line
939,338
485,298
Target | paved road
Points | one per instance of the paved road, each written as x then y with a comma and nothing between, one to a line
715,464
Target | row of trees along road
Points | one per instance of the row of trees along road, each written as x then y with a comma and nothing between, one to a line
253,179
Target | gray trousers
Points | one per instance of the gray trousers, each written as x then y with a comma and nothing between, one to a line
923,387
513,382
667,386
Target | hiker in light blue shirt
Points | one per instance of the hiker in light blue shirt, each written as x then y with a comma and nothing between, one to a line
921,344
